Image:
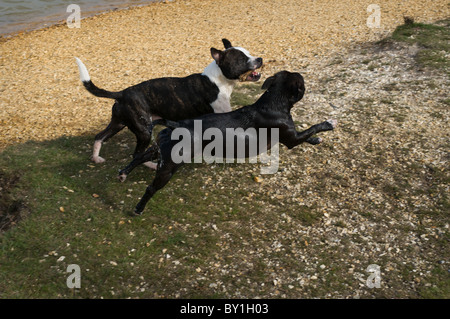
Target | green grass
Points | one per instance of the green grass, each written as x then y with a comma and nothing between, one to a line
112,248
246,94
55,204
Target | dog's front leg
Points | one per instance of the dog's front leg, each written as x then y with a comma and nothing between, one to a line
314,140
291,138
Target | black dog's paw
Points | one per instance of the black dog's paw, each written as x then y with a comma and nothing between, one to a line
136,213
328,125
314,140
138,209
332,123
122,177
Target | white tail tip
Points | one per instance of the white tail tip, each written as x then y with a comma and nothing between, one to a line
84,74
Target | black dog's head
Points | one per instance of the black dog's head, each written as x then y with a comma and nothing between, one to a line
237,63
289,84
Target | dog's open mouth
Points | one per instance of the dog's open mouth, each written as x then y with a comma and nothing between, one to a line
251,76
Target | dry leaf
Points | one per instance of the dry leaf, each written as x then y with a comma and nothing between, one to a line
257,179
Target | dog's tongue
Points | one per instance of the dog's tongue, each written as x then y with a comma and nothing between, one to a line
250,76
254,76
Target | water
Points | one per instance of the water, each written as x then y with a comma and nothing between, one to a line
20,15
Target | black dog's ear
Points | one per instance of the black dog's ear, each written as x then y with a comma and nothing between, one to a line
268,82
216,54
300,90
226,43
297,89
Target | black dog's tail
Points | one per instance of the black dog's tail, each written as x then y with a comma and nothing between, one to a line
91,87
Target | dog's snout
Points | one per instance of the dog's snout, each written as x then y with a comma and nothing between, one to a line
256,63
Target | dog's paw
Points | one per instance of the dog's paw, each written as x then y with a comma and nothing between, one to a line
314,140
97,159
333,123
122,177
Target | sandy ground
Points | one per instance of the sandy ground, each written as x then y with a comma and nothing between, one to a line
42,97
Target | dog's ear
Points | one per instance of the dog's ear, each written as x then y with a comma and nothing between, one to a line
216,54
268,82
300,91
297,88
226,43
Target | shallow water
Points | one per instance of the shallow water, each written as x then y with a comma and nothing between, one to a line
20,15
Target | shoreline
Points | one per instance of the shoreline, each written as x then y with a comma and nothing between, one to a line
42,97
53,19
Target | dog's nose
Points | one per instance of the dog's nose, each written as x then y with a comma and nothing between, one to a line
259,60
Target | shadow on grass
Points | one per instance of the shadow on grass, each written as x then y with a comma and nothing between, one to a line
79,211
46,173
432,40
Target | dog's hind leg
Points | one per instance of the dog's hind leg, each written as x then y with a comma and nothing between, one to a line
112,129
157,120
151,165
163,175
150,155
143,138
166,169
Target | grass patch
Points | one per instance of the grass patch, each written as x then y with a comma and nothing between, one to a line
79,214
11,204
433,40
246,94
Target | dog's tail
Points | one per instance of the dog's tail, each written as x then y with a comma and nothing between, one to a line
91,87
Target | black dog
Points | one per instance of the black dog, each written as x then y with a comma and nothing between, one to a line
174,98
271,110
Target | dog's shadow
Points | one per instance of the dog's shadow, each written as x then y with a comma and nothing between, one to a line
60,172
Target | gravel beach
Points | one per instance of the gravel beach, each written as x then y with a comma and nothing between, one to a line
42,97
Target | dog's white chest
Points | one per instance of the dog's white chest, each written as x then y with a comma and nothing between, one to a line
222,103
